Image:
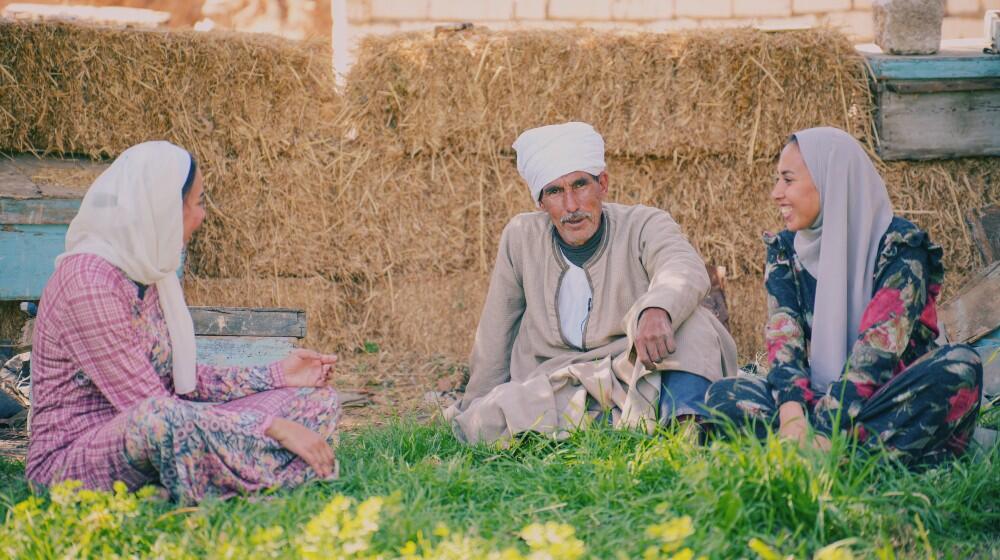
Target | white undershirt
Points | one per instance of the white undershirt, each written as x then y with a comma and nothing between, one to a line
575,296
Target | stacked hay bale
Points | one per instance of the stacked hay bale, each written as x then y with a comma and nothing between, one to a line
378,211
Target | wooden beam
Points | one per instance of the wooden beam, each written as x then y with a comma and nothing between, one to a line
975,311
984,225
961,59
242,321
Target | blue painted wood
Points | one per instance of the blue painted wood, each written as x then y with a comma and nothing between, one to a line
957,60
38,210
27,258
242,350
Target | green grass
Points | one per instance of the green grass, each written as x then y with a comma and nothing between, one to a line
609,485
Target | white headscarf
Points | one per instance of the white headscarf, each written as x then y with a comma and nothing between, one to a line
546,153
841,247
132,217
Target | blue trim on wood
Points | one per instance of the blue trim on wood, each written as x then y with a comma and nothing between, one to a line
27,258
224,351
885,67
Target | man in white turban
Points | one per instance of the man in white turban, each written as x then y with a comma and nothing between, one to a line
593,307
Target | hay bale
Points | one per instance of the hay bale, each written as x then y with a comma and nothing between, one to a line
732,92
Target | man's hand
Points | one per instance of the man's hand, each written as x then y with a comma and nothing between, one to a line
793,425
655,337
307,368
305,443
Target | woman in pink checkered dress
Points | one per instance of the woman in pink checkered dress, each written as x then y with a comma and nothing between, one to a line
117,394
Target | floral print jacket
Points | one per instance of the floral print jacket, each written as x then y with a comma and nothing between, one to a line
898,326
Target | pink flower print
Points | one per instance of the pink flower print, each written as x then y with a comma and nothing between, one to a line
886,304
961,403
958,442
807,393
929,316
861,433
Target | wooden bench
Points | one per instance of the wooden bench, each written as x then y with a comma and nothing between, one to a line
936,106
38,199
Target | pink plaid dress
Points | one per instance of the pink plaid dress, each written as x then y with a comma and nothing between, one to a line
103,406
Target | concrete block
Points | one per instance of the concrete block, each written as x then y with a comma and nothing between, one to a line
863,4
963,28
704,8
670,25
580,10
463,10
726,23
820,6
617,26
529,9
762,8
857,24
795,22
358,11
908,26
962,8
642,10
398,10
991,5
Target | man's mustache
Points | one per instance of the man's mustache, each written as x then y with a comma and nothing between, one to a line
572,216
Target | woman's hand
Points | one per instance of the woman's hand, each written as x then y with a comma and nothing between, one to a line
305,443
793,425
307,368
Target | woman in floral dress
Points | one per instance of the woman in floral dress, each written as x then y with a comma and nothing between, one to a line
117,393
852,320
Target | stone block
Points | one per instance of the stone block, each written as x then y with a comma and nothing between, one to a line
642,10
396,10
908,26
670,25
857,24
991,5
963,28
725,23
463,10
529,9
580,9
962,8
358,11
762,8
704,8
796,22
820,6
863,4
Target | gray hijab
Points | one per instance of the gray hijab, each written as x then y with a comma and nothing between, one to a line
841,247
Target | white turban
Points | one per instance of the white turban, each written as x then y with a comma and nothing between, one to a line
546,153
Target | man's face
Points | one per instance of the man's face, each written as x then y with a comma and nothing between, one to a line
573,201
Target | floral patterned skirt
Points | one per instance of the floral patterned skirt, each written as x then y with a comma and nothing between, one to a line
195,450
923,415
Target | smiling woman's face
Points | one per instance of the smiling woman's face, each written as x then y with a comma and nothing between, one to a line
794,192
194,207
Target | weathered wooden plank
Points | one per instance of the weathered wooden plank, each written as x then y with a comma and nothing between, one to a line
984,225
961,59
27,258
242,321
28,176
38,210
939,125
975,311
242,350
939,86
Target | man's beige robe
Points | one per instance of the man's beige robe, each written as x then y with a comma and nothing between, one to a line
526,376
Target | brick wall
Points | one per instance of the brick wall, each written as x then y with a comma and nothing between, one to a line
963,17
